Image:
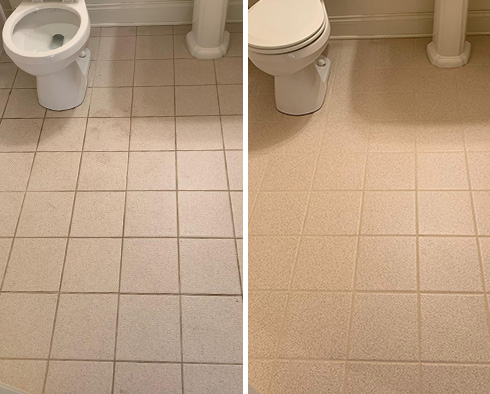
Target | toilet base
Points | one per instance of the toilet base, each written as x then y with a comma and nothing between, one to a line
66,89
303,92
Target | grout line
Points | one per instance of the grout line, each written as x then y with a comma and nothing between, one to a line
380,361
47,292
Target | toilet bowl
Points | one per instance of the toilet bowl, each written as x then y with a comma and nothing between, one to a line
286,40
48,40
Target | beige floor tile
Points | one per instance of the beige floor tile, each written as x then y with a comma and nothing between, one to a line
118,31
229,70
441,171
154,47
479,164
154,72
79,377
46,214
232,126
485,257
213,379
208,266
236,45
152,134
434,79
239,247
151,171
260,374
26,324
107,134
149,328
151,214
387,263
19,135
440,137
230,99
237,208
289,172
384,327
390,171
482,212
196,100
391,137
92,265
312,377
148,378
98,214
201,170
212,329
473,78
182,29
477,136
388,213
111,102
116,48
79,112
199,133
153,30
382,378
114,73
62,135
473,105
25,375
8,72
5,244
103,171
468,379
339,171
4,96
325,263
153,101
194,72
479,53
436,106
54,171
333,213
10,206
449,264
205,214
316,326
85,327
454,328
35,265
257,165
150,266
15,169
278,214
234,166
93,44
180,47
445,213
23,103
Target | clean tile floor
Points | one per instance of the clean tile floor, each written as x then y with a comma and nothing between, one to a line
369,255
120,223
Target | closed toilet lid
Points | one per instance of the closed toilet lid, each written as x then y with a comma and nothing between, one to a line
274,24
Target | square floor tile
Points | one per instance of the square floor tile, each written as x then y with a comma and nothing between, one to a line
98,214
54,171
180,47
229,70
477,137
116,48
333,213
387,264
154,73
237,209
148,378
470,379
35,265
19,135
325,263
103,171
151,171
391,137
479,164
149,328
111,102
7,74
194,72
232,126
15,169
236,45
4,96
150,266
92,265
230,99
25,80
449,264
85,326
454,328
154,30
199,133
23,103
46,214
152,134
384,327
10,206
339,171
151,214
106,134
205,214
203,170
212,329
445,213
153,101
388,213
316,326
5,244
390,171
481,202
212,379
62,134
26,324
441,171
209,266
440,137
27,375
485,257
196,100
154,47
114,73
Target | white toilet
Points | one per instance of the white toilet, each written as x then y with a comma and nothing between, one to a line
48,40
286,39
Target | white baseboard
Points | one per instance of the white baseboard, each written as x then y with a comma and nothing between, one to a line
152,13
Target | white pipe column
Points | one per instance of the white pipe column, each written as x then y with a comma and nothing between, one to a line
449,47
208,38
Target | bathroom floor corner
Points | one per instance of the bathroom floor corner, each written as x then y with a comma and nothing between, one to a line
121,223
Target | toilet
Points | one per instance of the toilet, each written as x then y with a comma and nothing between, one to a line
286,39
48,40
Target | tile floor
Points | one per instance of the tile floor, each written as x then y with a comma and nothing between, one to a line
369,256
120,223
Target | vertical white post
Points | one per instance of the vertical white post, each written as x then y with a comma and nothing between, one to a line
449,47
208,38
